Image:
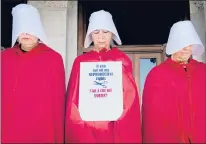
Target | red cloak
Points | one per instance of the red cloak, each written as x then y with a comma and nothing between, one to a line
173,109
33,96
127,128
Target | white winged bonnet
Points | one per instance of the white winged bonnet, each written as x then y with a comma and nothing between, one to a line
26,19
183,34
101,20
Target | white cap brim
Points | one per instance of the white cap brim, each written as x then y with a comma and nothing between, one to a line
26,19
101,20
183,34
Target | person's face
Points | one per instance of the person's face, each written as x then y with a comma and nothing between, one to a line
183,55
101,39
27,41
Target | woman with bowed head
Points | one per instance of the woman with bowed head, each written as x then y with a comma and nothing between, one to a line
126,127
173,109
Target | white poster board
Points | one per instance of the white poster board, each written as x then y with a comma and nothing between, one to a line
100,91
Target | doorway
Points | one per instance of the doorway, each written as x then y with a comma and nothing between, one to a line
143,27
6,23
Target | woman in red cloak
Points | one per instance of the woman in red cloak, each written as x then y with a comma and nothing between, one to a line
33,84
127,127
173,109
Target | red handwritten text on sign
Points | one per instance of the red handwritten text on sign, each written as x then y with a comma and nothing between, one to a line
100,93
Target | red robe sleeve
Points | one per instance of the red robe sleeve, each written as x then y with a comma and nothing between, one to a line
76,131
128,128
153,126
58,90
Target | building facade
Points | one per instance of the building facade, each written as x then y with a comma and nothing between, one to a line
60,19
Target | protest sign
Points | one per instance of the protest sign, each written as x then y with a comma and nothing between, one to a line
100,91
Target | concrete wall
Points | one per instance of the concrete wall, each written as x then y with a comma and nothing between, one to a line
197,15
60,22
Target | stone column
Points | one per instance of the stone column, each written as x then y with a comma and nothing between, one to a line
72,40
204,56
198,19
60,23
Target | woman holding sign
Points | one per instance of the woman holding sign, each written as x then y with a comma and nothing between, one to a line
173,109
102,100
